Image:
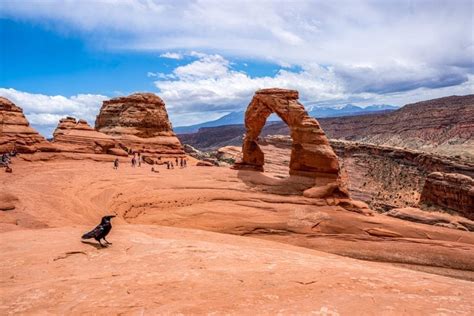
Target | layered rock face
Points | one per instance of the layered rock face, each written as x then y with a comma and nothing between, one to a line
311,154
15,131
450,191
79,137
139,122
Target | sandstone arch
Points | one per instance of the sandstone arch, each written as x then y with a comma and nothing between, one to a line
311,154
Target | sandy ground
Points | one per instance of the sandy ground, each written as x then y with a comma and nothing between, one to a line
169,255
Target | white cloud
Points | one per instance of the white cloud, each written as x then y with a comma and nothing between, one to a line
210,84
46,110
170,55
296,32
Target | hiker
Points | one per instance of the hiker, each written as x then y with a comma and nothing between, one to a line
5,158
139,160
116,163
185,163
176,160
134,161
167,165
172,166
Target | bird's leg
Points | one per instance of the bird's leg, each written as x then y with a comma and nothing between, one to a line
108,243
103,246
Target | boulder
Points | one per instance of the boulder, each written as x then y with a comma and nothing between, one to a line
15,130
204,164
328,190
7,201
139,122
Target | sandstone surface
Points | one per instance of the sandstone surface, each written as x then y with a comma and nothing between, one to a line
15,130
229,201
139,122
162,271
163,261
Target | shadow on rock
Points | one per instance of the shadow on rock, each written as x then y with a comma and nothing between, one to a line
93,244
292,185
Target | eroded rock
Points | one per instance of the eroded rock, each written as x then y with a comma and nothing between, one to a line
15,130
140,123
77,136
311,154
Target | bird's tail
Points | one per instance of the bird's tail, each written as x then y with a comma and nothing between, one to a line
88,235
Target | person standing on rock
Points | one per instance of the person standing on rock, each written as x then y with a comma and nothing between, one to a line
116,163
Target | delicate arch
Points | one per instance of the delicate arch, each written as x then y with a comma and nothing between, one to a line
311,154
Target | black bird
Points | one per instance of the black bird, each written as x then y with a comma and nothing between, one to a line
101,231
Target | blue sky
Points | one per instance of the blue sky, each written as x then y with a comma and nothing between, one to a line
206,58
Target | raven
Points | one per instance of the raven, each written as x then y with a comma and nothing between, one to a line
101,231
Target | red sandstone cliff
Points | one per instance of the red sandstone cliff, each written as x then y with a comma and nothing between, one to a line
451,191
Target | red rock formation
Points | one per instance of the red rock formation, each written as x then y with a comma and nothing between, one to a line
450,191
15,131
79,137
139,122
311,154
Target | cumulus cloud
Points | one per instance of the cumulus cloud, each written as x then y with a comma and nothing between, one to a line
46,110
210,84
326,32
171,55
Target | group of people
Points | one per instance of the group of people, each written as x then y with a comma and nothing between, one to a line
6,160
138,158
181,161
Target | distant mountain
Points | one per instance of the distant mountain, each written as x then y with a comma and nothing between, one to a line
318,112
444,126
350,110
228,119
